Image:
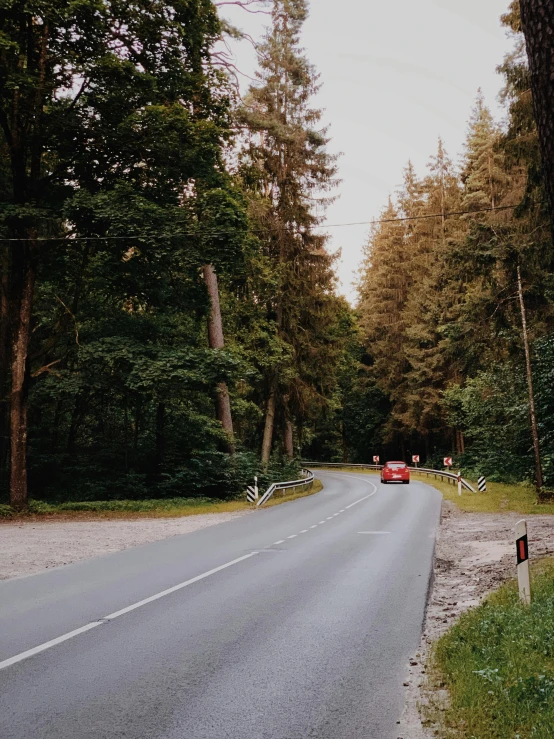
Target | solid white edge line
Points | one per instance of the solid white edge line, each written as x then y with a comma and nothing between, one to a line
65,637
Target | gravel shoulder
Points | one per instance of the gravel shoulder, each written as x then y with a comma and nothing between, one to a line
31,547
475,553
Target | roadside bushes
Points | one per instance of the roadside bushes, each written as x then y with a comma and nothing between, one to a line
211,474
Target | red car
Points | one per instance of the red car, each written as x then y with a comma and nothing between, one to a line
395,472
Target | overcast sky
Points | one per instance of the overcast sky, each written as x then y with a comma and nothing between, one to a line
396,75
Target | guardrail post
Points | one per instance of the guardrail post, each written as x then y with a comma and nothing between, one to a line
522,550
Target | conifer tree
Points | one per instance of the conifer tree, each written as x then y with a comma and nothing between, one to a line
383,292
288,169
483,171
428,300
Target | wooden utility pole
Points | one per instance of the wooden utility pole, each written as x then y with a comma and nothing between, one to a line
532,411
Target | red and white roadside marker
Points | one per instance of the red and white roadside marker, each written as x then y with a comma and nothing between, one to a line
375,460
522,550
448,461
415,459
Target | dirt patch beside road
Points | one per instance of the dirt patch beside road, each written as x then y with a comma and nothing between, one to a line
31,547
475,553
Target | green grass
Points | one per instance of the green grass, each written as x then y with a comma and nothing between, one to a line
499,498
497,664
167,508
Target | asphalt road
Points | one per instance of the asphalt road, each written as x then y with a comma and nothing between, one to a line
292,622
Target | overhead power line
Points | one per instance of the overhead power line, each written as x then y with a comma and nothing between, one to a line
377,221
207,234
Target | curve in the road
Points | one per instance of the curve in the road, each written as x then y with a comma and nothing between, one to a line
293,622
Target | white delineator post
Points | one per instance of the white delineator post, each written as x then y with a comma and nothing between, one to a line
522,549
256,491
459,483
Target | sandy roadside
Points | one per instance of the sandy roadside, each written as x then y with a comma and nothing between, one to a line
29,548
475,553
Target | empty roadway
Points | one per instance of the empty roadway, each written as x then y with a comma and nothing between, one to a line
292,622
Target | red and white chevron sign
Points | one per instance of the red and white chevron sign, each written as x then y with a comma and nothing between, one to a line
448,461
415,459
375,460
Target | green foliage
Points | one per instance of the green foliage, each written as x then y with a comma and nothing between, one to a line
498,665
438,298
492,409
286,170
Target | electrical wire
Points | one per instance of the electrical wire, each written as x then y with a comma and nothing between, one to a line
208,234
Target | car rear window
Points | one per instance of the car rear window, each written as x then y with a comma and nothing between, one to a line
396,466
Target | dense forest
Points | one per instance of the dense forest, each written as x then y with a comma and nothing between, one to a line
440,309
169,320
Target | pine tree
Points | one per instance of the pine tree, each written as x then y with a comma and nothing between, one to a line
483,173
418,395
383,292
287,168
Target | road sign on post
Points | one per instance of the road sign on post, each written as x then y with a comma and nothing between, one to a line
522,551
375,460
448,461
482,484
415,459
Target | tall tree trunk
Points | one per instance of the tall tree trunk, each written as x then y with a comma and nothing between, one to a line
537,20
24,281
268,429
289,439
217,341
344,444
76,418
532,411
4,363
160,437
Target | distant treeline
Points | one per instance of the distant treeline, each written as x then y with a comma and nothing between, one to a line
439,305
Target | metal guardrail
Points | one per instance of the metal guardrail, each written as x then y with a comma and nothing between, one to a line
437,473
447,475
305,481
